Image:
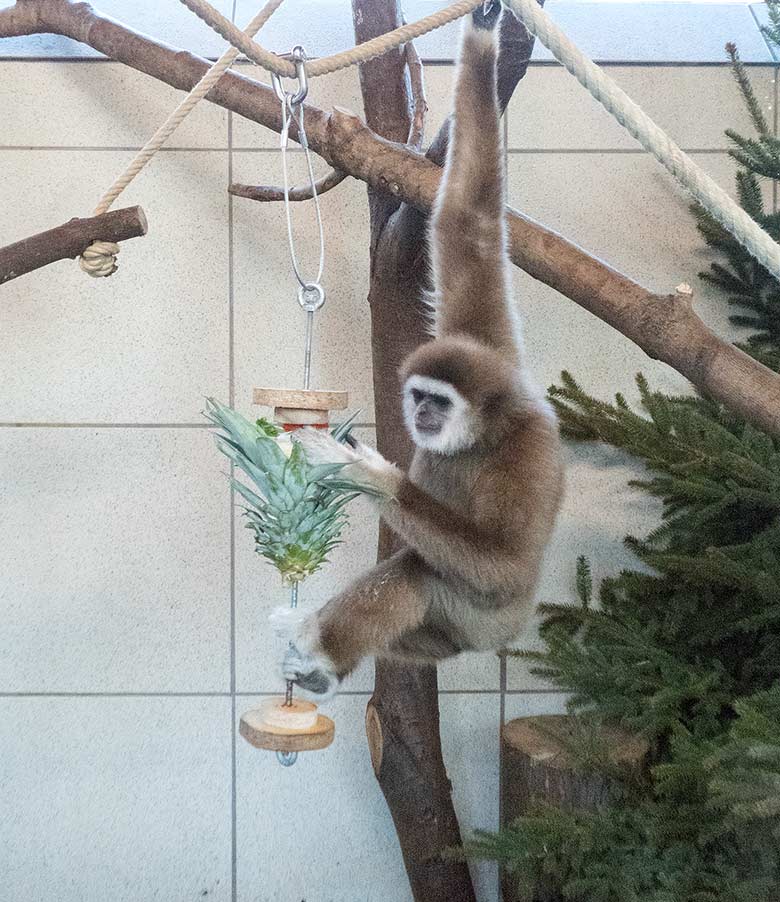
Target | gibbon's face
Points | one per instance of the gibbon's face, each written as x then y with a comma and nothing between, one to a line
437,416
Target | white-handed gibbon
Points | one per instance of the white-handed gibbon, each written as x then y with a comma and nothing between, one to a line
478,505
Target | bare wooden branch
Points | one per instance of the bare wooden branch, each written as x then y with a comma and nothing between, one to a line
664,328
69,240
268,193
414,67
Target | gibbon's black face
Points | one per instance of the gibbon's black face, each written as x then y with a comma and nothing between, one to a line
437,416
431,411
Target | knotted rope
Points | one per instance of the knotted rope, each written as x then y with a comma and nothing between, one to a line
99,259
703,188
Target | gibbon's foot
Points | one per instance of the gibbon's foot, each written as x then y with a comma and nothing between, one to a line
311,672
487,15
303,662
286,622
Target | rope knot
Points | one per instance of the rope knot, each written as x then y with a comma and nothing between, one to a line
99,259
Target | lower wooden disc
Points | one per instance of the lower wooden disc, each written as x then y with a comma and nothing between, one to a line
263,735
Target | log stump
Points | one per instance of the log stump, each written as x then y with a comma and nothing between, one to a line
538,768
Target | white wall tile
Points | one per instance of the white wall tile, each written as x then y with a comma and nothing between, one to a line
657,32
626,210
106,105
146,344
599,510
171,24
534,704
269,321
336,842
114,561
125,799
550,109
319,830
470,744
328,27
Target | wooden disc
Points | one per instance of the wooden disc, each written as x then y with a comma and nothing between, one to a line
301,399
298,716
263,735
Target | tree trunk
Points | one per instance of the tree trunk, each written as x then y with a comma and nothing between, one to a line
402,719
538,769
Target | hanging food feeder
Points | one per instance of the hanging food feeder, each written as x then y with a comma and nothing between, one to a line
283,724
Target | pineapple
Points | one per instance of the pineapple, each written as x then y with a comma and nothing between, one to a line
298,511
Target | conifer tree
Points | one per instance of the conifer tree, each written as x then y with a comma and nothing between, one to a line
684,650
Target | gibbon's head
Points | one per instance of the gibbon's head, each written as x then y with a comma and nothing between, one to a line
458,392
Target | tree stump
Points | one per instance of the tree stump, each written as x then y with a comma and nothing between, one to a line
538,768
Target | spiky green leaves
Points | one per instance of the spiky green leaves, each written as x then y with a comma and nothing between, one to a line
295,510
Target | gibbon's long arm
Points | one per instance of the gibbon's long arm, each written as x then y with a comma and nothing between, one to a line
468,231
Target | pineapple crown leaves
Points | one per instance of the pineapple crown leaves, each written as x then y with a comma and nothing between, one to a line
295,509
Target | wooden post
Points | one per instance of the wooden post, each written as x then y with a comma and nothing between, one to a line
538,768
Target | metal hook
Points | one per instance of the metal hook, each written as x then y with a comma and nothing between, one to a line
298,56
287,759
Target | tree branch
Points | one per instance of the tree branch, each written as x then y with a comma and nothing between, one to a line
69,240
664,327
298,193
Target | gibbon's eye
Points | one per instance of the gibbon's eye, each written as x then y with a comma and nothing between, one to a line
441,401
417,395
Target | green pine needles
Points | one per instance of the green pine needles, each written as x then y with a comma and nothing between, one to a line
295,510
683,649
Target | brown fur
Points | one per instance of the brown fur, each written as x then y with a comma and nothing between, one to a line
476,521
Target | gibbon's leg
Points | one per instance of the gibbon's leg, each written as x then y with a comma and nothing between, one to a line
468,229
366,618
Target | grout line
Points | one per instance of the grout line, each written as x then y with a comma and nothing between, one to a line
763,36
139,694
232,401
239,150
607,150
248,694
43,425
111,148
77,425
434,62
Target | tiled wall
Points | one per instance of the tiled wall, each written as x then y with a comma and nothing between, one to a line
132,606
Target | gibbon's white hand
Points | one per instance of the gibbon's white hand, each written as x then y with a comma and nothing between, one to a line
363,465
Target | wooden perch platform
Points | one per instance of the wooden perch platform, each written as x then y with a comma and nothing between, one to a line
69,240
538,769
257,731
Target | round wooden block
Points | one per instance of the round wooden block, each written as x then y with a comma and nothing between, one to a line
263,735
301,399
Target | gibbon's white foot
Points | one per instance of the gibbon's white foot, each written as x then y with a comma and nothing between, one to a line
313,673
286,622
363,465
304,663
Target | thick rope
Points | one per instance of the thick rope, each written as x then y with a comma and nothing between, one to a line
327,64
709,194
99,259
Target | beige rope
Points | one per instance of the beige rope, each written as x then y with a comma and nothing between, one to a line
327,64
99,259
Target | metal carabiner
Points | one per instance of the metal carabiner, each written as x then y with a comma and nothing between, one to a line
298,56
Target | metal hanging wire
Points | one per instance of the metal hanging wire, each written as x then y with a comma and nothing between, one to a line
311,294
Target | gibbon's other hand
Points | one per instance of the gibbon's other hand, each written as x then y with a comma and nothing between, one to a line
487,15
363,465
